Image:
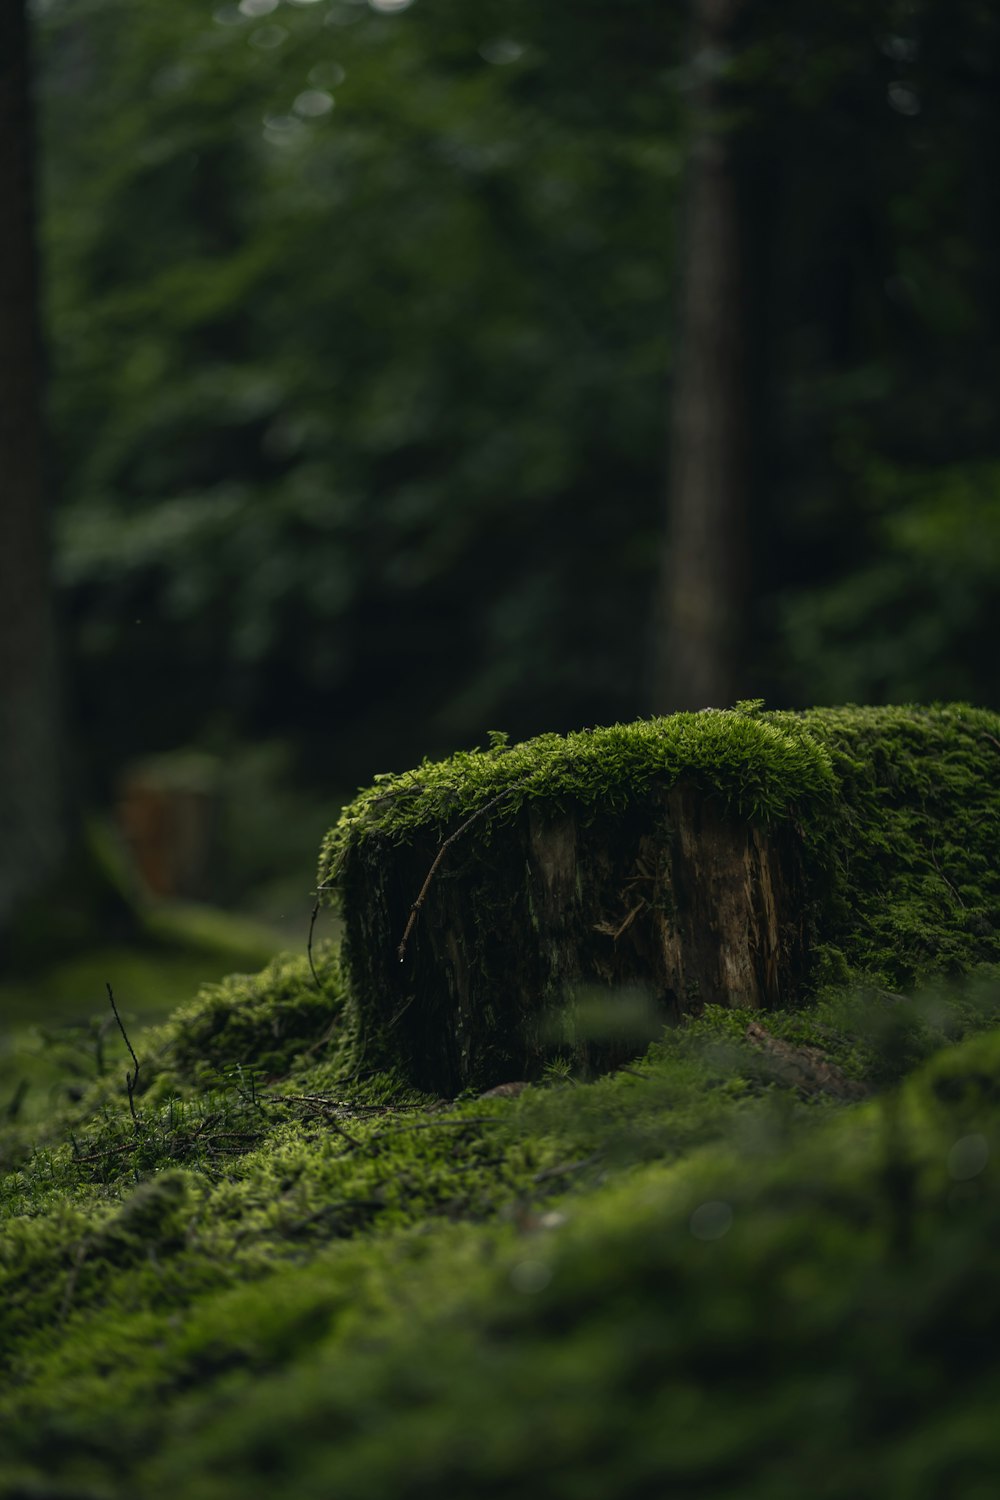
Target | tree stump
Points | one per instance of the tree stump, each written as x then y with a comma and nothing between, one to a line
569,931
586,888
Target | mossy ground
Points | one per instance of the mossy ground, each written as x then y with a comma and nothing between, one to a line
53,1033
715,1272
280,1273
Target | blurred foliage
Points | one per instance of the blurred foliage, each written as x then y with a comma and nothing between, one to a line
360,325
58,1029
358,334
916,619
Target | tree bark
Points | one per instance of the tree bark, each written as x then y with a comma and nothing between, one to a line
703,576
33,813
569,933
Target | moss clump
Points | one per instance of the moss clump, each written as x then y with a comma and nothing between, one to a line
234,1034
264,1022
898,810
762,768
710,1271
686,1273
907,880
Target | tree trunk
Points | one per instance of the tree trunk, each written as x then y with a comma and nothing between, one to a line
569,933
32,807
703,588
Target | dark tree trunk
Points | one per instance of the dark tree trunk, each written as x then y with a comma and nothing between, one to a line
703,588
569,933
32,807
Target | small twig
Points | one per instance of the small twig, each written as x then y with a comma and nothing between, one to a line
614,933
205,1124
312,929
462,828
992,739
131,1079
324,1107
243,1136
105,1152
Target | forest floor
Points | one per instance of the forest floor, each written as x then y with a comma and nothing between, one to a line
54,1017
241,1255
757,1261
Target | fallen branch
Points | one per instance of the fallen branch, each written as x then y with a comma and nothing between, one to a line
131,1079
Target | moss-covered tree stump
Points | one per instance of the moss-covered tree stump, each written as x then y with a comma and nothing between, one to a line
571,894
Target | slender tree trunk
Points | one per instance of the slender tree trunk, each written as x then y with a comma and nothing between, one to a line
33,813
704,583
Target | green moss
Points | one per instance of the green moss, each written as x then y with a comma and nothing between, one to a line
909,843
587,1289
264,1022
762,769
899,810
216,1048
273,1269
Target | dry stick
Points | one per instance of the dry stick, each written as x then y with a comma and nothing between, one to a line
312,929
627,922
105,1152
131,1079
322,1107
479,813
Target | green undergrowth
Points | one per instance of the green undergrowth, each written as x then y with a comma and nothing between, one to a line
273,1268
898,811
914,884
52,1038
237,1258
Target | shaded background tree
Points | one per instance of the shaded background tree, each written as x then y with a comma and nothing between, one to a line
367,320
33,805
705,584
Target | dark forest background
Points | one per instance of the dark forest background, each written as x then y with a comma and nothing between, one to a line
420,369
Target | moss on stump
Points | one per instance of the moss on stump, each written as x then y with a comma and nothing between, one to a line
587,888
